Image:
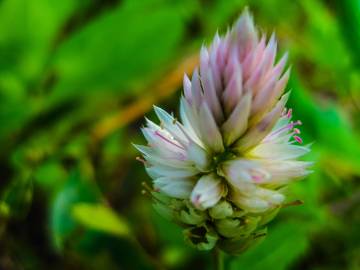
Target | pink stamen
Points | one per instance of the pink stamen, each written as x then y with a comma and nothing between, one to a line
287,127
296,131
289,113
157,133
298,139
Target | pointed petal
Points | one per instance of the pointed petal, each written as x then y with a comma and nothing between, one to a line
170,124
199,156
257,133
278,151
237,123
175,187
210,133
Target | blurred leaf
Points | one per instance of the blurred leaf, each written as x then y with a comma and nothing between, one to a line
18,196
27,33
50,175
119,47
285,243
75,190
101,218
328,127
348,12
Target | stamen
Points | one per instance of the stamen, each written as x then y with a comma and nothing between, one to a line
293,203
289,113
296,131
143,161
147,187
286,127
298,139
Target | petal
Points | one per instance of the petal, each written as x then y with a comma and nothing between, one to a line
246,33
196,91
168,171
189,120
210,95
278,151
233,91
199,156
207,192
169,123
285,171
251,204
237,123
187,88
243,174
257,133
210,133
175,187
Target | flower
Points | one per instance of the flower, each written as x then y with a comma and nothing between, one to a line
222,170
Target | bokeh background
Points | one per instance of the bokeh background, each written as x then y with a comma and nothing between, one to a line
76,79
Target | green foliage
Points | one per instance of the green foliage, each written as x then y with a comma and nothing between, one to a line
284,244
70,199
101,218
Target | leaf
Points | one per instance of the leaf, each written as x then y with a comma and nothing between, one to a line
100,218
118,48
348,12
285,243
18,196
63,226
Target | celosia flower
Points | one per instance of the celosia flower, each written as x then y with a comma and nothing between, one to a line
221,171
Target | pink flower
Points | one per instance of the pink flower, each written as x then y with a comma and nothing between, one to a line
236,141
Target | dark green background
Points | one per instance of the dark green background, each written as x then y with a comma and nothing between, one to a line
76,78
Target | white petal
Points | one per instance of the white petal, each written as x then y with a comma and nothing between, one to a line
199,156
243,174
170,125
175,187
207,192
210,133
155,157
278,151
250,203
168,171
285,171
189,120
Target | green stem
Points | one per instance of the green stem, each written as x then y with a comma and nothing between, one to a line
219,259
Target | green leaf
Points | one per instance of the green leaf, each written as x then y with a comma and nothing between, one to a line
285,243
101,218
63,226
125,44
18,196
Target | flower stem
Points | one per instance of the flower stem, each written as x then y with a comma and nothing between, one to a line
219,259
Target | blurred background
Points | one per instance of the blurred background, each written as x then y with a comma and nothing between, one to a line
77,78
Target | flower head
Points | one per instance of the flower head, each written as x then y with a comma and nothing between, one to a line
221,171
